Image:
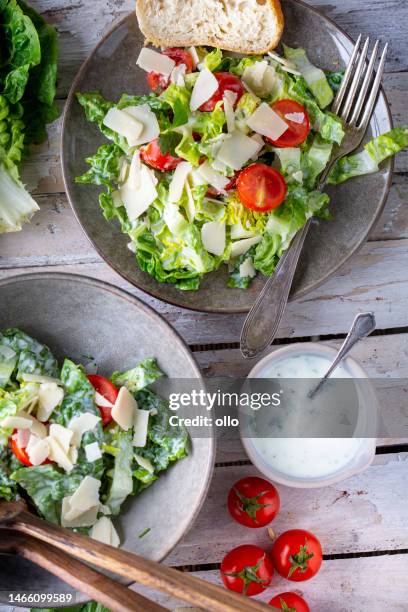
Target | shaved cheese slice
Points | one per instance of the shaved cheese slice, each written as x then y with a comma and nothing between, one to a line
179,180
100,400
62,435
238,232
266,122
58,455
213,237
205,86
49,397
212,177
146,116
85,497
37,428
137,201
241,246
194,55
82,423
73,454
145,463
237,150
39,378
295,117
258,138
178,74
16,422
134,177
253,76
123,411
105,532
140,424
190,205
87,519
152,61
298,176
229,102
124,124
38,450
93,452
247,269
22,437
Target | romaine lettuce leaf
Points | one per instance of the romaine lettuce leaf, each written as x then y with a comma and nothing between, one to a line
33,356
139,377
121,482
104,166
314,77
8,487
179,99
213,59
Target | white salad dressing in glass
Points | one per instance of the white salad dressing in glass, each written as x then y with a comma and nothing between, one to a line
303,457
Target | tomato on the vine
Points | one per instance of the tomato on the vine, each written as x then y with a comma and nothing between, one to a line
109,391
226,82
253,502
152,155
296,117
160,82
247,569
261,188
289,602
297,555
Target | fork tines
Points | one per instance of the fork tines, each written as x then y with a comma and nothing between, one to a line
357,95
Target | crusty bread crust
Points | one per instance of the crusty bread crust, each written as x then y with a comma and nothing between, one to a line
207,40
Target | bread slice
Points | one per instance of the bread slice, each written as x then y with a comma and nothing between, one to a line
243,26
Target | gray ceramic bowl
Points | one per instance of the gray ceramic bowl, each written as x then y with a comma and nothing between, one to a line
77,317
356,205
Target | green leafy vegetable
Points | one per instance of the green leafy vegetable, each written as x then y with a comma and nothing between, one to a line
139,377
314,77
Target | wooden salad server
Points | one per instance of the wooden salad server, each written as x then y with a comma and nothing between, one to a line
199,593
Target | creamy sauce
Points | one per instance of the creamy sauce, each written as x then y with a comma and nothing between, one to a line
332,412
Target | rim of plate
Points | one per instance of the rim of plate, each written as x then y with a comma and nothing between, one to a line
204,308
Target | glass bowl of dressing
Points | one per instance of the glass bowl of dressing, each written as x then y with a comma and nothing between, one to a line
311,442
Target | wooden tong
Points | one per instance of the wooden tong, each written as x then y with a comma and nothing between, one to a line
199,593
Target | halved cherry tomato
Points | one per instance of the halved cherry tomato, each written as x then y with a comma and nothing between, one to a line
159,82
253,502
297,131
290,602
226,81
106,388
261,188
297,555
247,569
21,453
152,155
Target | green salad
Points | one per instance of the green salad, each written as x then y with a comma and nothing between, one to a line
219,164
77,444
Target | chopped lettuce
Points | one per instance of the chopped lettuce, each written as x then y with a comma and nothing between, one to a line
33,356
121,481
144,374
314,77
213,59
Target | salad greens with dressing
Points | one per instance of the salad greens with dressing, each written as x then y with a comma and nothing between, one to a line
219,164
79,445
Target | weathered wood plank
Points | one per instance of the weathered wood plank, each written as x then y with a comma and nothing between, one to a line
362,513
374,280
80,27
342,585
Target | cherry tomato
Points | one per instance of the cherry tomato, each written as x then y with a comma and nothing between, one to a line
21,453
106,388
159,82
290,602
226,81
296,132
247,569
297,555
261,188
253,502
152,155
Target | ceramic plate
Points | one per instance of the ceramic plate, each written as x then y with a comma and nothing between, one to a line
355,206
78,317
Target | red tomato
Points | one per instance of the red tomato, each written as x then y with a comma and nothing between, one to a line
159,82
152,155
106,388
253,502
261,188
226,81
290,602
296,132
247,569
297,555
21,453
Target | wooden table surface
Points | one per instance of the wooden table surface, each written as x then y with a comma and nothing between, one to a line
362,522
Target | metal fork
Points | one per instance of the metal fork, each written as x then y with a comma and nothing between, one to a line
354,104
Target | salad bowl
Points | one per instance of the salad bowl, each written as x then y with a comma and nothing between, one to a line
82,318
355,205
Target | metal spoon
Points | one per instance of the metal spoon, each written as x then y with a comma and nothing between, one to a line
363,325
